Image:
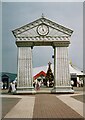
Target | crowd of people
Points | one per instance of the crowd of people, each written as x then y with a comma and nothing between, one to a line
79,83
37,84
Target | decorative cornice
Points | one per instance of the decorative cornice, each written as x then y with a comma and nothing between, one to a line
45,38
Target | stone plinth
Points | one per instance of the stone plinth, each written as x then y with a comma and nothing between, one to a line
25,90
62,89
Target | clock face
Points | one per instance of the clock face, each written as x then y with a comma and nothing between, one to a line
42,29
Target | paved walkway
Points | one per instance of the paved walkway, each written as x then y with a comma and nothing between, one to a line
48,106
23,109
45,106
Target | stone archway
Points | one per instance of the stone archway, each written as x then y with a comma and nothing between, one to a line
43,32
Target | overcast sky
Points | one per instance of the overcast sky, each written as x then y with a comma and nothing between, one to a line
17,14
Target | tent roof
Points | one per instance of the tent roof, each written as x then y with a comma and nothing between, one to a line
72,68
39,74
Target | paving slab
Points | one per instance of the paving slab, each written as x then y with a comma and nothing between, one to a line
73,103
49,106
23,109
8,104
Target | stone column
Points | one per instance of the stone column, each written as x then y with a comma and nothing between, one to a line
25,79
61,71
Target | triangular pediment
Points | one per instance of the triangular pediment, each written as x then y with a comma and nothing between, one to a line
31,29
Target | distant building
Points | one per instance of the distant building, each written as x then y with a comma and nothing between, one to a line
40,77
6,78
5,81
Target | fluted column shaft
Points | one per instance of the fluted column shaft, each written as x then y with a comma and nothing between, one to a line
24,67
61,67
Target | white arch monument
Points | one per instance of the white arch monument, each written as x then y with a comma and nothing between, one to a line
43,32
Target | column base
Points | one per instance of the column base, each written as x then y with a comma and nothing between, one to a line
25,90
62,89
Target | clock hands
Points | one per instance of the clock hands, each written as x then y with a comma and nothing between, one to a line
42,28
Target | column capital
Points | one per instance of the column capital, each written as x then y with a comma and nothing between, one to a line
24,44
61,44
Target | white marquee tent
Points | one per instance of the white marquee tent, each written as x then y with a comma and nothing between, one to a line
76,74
72,68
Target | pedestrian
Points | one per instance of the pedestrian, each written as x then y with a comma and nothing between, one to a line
10,88
34,84
13,87
37,86
48,83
